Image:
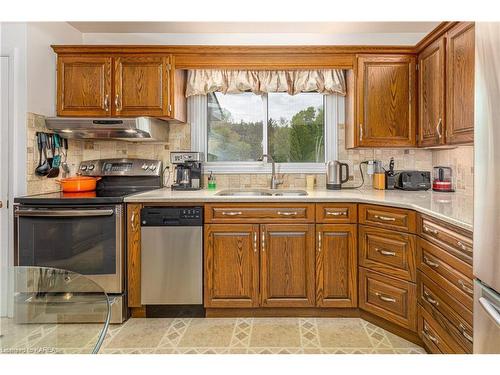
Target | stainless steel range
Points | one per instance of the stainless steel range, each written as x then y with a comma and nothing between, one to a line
85,232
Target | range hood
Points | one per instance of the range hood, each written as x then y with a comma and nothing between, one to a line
126,129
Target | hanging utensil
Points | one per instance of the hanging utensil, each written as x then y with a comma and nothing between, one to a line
54,170
39,144
64,165
43,169
56,162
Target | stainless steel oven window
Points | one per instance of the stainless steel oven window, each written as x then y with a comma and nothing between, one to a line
85,240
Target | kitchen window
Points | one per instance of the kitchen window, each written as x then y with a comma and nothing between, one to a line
234,130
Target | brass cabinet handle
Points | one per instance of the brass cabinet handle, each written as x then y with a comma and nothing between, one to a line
255,241
106,103
385,252
430,230
263,239
287,213
430,262
132,221
231,213
462,246
428,298
335,213
426,333
118,103
385,298
464,332
465,287
384,218
438,128
360,132
319,241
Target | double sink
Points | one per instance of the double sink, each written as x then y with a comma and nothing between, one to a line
261,193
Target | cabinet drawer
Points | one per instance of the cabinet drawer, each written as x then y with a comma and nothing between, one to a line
449,272
259,213
456,240
389,252
344,213
451,315
389,298
388,217
433,335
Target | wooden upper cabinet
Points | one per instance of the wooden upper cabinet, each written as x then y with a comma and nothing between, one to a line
84,86
287,265
460,41
431,79
142,86
336,265
231,265
385,101
121,86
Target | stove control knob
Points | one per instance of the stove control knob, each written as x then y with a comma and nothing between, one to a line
83,167
152,167
145,167
91,167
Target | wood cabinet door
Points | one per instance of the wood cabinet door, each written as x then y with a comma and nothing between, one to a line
336,265
84,86
134,255
386,103
287,265
142,86
231,265
460,83
431,78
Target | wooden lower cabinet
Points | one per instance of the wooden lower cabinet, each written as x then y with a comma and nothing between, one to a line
287,265
231,265
389,298
134,255
336,265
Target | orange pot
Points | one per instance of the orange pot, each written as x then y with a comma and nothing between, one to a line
78,184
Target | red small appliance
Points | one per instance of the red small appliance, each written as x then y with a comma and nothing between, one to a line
442,179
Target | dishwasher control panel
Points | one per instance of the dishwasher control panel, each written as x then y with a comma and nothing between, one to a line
171,216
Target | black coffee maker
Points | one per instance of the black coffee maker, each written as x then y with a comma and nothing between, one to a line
187,174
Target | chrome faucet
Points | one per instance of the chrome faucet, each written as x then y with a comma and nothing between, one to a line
274,180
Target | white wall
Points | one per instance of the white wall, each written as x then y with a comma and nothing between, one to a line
254,38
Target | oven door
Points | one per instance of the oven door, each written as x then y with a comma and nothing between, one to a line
86,240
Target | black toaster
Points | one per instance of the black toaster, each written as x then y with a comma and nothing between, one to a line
412,180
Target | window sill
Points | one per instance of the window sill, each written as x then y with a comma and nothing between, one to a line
257,168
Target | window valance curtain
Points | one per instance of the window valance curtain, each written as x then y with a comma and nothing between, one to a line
205,81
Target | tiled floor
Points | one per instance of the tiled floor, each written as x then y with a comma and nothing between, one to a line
254,335
216,335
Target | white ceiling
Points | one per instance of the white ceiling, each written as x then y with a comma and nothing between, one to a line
256,27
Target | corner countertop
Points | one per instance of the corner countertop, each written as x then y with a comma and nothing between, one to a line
453,208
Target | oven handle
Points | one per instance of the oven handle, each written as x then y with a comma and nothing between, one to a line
64,213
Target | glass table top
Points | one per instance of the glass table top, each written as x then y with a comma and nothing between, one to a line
53,311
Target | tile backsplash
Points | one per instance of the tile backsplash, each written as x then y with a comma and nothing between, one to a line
460,159
79,150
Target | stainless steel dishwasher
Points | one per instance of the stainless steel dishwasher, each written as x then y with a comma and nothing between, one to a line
172,261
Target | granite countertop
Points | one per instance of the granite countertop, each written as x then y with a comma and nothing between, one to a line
454,208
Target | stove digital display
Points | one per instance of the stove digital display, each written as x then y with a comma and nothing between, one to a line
117,167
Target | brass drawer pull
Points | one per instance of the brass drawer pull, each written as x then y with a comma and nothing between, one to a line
106,103
438,128
287,213
465,287
231,213
428,298
429,336
319,241
385,298
132,222
384,218
464,332
255,242
430,230
385,252
336,213
263,238
430,262
462,246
